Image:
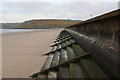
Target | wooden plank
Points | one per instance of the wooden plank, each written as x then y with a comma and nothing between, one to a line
67,43
63,56
56,41
54,48
43,76
52,75
77,71
47,62
63,45
63,73
67,62
67,35
66,39
93,70
61,41
70,53
78,50
55,59
59,46
72,41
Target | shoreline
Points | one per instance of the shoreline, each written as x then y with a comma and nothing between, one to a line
23,30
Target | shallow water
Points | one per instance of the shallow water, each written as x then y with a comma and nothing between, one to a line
14,30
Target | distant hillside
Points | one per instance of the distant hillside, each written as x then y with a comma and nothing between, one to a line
12,25
43,23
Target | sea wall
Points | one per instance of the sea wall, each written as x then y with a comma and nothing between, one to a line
101,37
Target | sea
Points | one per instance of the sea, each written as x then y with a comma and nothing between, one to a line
14,30
3,31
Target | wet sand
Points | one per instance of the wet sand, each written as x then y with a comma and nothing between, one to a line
22,52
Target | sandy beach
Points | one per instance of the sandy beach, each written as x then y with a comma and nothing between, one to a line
22,52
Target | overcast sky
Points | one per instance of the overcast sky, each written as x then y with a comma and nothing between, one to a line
14,11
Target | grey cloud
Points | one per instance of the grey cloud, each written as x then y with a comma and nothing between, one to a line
83,10
72,10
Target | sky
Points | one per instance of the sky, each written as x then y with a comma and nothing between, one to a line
12,11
